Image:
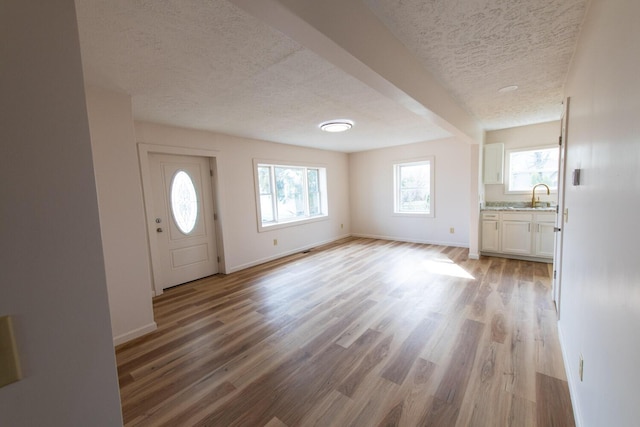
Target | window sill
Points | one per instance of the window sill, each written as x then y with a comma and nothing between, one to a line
414,215
293,223
540,192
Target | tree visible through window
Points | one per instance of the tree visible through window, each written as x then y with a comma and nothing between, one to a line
290,193
414,187
529,167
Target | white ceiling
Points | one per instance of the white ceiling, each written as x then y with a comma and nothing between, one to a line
208,64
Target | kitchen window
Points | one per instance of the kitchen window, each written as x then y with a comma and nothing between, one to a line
288,194
531,166
414,187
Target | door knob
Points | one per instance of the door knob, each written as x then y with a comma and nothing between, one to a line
159,230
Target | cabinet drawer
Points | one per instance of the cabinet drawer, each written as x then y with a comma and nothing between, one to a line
546,217
491,216
517,217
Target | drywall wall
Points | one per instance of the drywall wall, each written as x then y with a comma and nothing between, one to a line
122,221
600,294
475,190
371,183
243,245
538,135
52,276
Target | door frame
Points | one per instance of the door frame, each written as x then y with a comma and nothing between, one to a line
144,150
560,211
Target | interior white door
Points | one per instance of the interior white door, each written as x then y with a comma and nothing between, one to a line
183,233
560,217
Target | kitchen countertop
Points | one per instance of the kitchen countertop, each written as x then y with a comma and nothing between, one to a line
516,209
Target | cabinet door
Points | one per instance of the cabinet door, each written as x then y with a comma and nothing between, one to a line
516,237
490,236
493,164
545,239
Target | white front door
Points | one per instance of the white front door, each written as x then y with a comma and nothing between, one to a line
182,233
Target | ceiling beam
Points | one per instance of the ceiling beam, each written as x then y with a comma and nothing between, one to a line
348,34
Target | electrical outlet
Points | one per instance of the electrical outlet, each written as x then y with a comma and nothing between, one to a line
452,230
581,368
275,242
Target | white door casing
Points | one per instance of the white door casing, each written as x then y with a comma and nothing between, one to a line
560,217
183,246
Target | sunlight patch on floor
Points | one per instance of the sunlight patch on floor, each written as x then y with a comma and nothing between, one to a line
446,268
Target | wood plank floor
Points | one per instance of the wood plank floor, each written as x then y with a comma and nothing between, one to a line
357,333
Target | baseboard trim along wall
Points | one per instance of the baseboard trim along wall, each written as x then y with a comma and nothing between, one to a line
402,239
284,254
120,339
570,375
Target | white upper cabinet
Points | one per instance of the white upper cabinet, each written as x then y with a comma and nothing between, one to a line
493,164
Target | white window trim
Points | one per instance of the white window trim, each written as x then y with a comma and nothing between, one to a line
507,166
324,203
432,183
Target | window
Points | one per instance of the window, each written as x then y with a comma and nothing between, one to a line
528,167
184,202
414,187
289,193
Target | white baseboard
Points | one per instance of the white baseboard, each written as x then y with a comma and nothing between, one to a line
577,415
121,339
283,254
404,239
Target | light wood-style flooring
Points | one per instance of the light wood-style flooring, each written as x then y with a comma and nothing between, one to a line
361,332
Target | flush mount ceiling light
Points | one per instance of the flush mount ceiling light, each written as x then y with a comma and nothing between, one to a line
336,125
508,89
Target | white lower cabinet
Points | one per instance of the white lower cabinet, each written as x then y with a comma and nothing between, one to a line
544,235
516,236
490,232
520,234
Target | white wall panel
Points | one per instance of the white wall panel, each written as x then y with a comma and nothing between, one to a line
600,303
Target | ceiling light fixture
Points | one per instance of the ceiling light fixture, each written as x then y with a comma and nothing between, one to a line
508,89
336,125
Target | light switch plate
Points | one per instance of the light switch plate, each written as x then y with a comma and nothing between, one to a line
9,361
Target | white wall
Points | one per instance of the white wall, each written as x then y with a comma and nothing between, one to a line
244,246
52,276
371,182
475,191
600,305
122,221
521,137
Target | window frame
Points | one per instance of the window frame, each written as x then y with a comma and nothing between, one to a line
290,222
397,165
507,167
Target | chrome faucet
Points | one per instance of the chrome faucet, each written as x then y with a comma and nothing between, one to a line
533,195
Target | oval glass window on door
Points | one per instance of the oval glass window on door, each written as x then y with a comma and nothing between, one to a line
184,202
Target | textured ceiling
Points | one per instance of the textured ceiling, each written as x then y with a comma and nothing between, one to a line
475,47
209,65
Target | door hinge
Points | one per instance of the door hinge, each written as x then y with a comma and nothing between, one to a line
554,273
215,216
560,140
210,172
219,261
